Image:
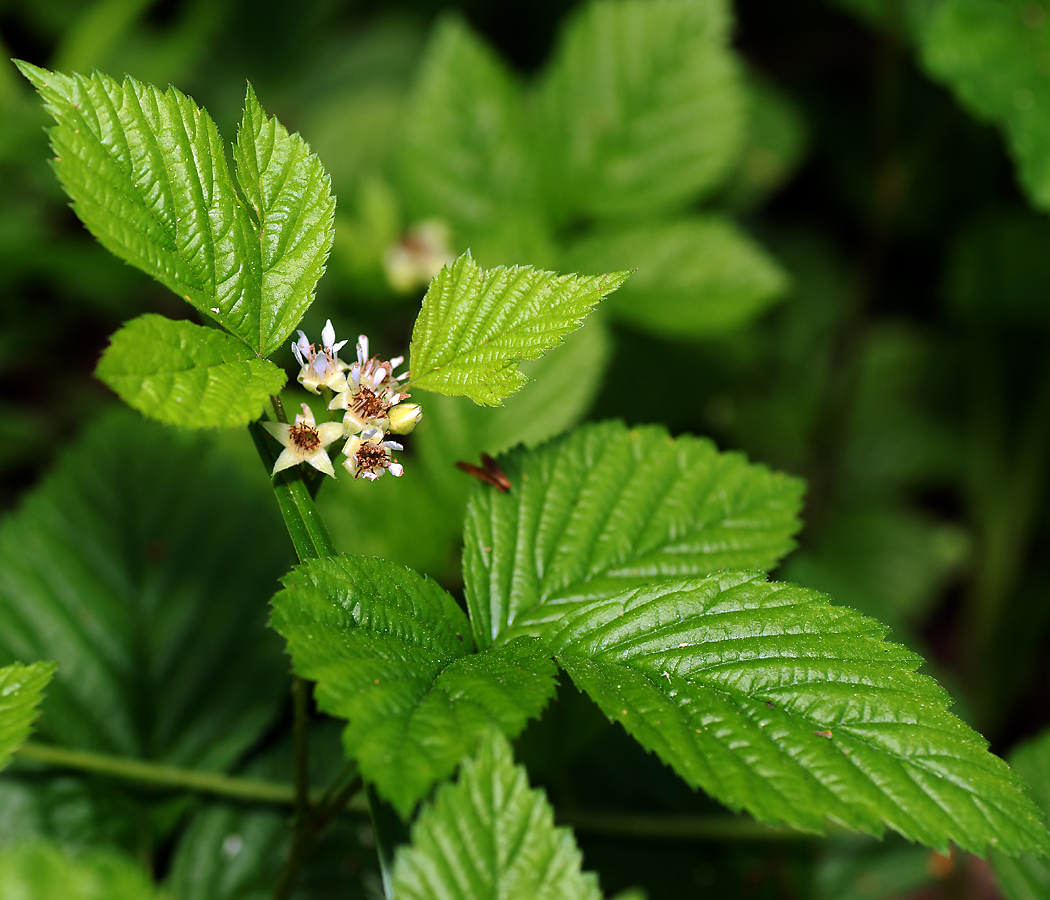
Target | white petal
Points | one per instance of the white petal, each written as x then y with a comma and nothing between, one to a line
362,348
340,401
328,335
396,469
286,460
378,378
392,445
330,431
320,461
307,416
337,347
395,362
278,429
372,476
350,464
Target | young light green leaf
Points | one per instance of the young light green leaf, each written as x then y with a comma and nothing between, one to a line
147,173
182,374
645,106
40,871
775,702
392,653
992,53
608,508
477,324
21,689
490,836
466,154
694,277
138,565
1028,876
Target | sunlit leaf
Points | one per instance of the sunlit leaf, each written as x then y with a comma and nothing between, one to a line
490,836
40,871
182,374
21,689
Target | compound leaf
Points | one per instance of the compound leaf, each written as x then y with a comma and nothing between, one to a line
392,653
607,508
775,702
645,104
1028,876
477,324
21,689
147,173
186,375
491,836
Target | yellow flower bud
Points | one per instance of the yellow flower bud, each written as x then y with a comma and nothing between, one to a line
404,417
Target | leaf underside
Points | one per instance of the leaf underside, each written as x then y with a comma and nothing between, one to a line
146,170
21,690
477,324
392,653
186,375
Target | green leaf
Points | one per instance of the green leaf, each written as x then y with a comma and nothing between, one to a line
1028,877
476,325
490,836
139,564
608,508
645,107
693,277
147,173
992,53
466,154
775,702
41,871
392,653
21,689
182,374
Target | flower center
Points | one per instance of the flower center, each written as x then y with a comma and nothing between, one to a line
304,438
367,404
371,457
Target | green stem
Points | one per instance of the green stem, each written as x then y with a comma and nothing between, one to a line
301,703
159,775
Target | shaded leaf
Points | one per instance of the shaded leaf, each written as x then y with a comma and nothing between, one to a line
607,508
644,104
775,702
392,653
182,374
21,688
1028,876
490,836
477,324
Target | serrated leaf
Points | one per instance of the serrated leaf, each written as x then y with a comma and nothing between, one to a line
490,836
645,107
1028,877
693,277
775,702
477,324
21,689
992,54
138,565
186,375
607,508
41,871
147,173
466,155
392,653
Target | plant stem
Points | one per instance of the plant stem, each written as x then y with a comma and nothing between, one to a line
301,704
159,775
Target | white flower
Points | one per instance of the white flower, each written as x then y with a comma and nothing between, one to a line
423,251
304,442
368,455
371,390
321,367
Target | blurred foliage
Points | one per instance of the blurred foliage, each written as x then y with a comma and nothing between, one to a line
855,290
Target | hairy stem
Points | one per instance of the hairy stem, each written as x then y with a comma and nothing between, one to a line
159,775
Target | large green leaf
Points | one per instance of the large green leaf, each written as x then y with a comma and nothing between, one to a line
607,508
182,374
644,106
490,836
466,155
775,702
477,324
43,872
695,276
147,173
21,689
1028,877
392,653
139,565
992,53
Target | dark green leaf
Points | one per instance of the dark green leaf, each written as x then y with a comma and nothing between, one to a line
607,508
182,374
1028,877
490,836
21,689
392,653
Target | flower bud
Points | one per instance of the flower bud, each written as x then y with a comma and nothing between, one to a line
404,417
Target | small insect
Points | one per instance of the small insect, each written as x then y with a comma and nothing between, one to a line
488,472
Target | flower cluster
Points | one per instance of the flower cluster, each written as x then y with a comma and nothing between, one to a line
371,397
